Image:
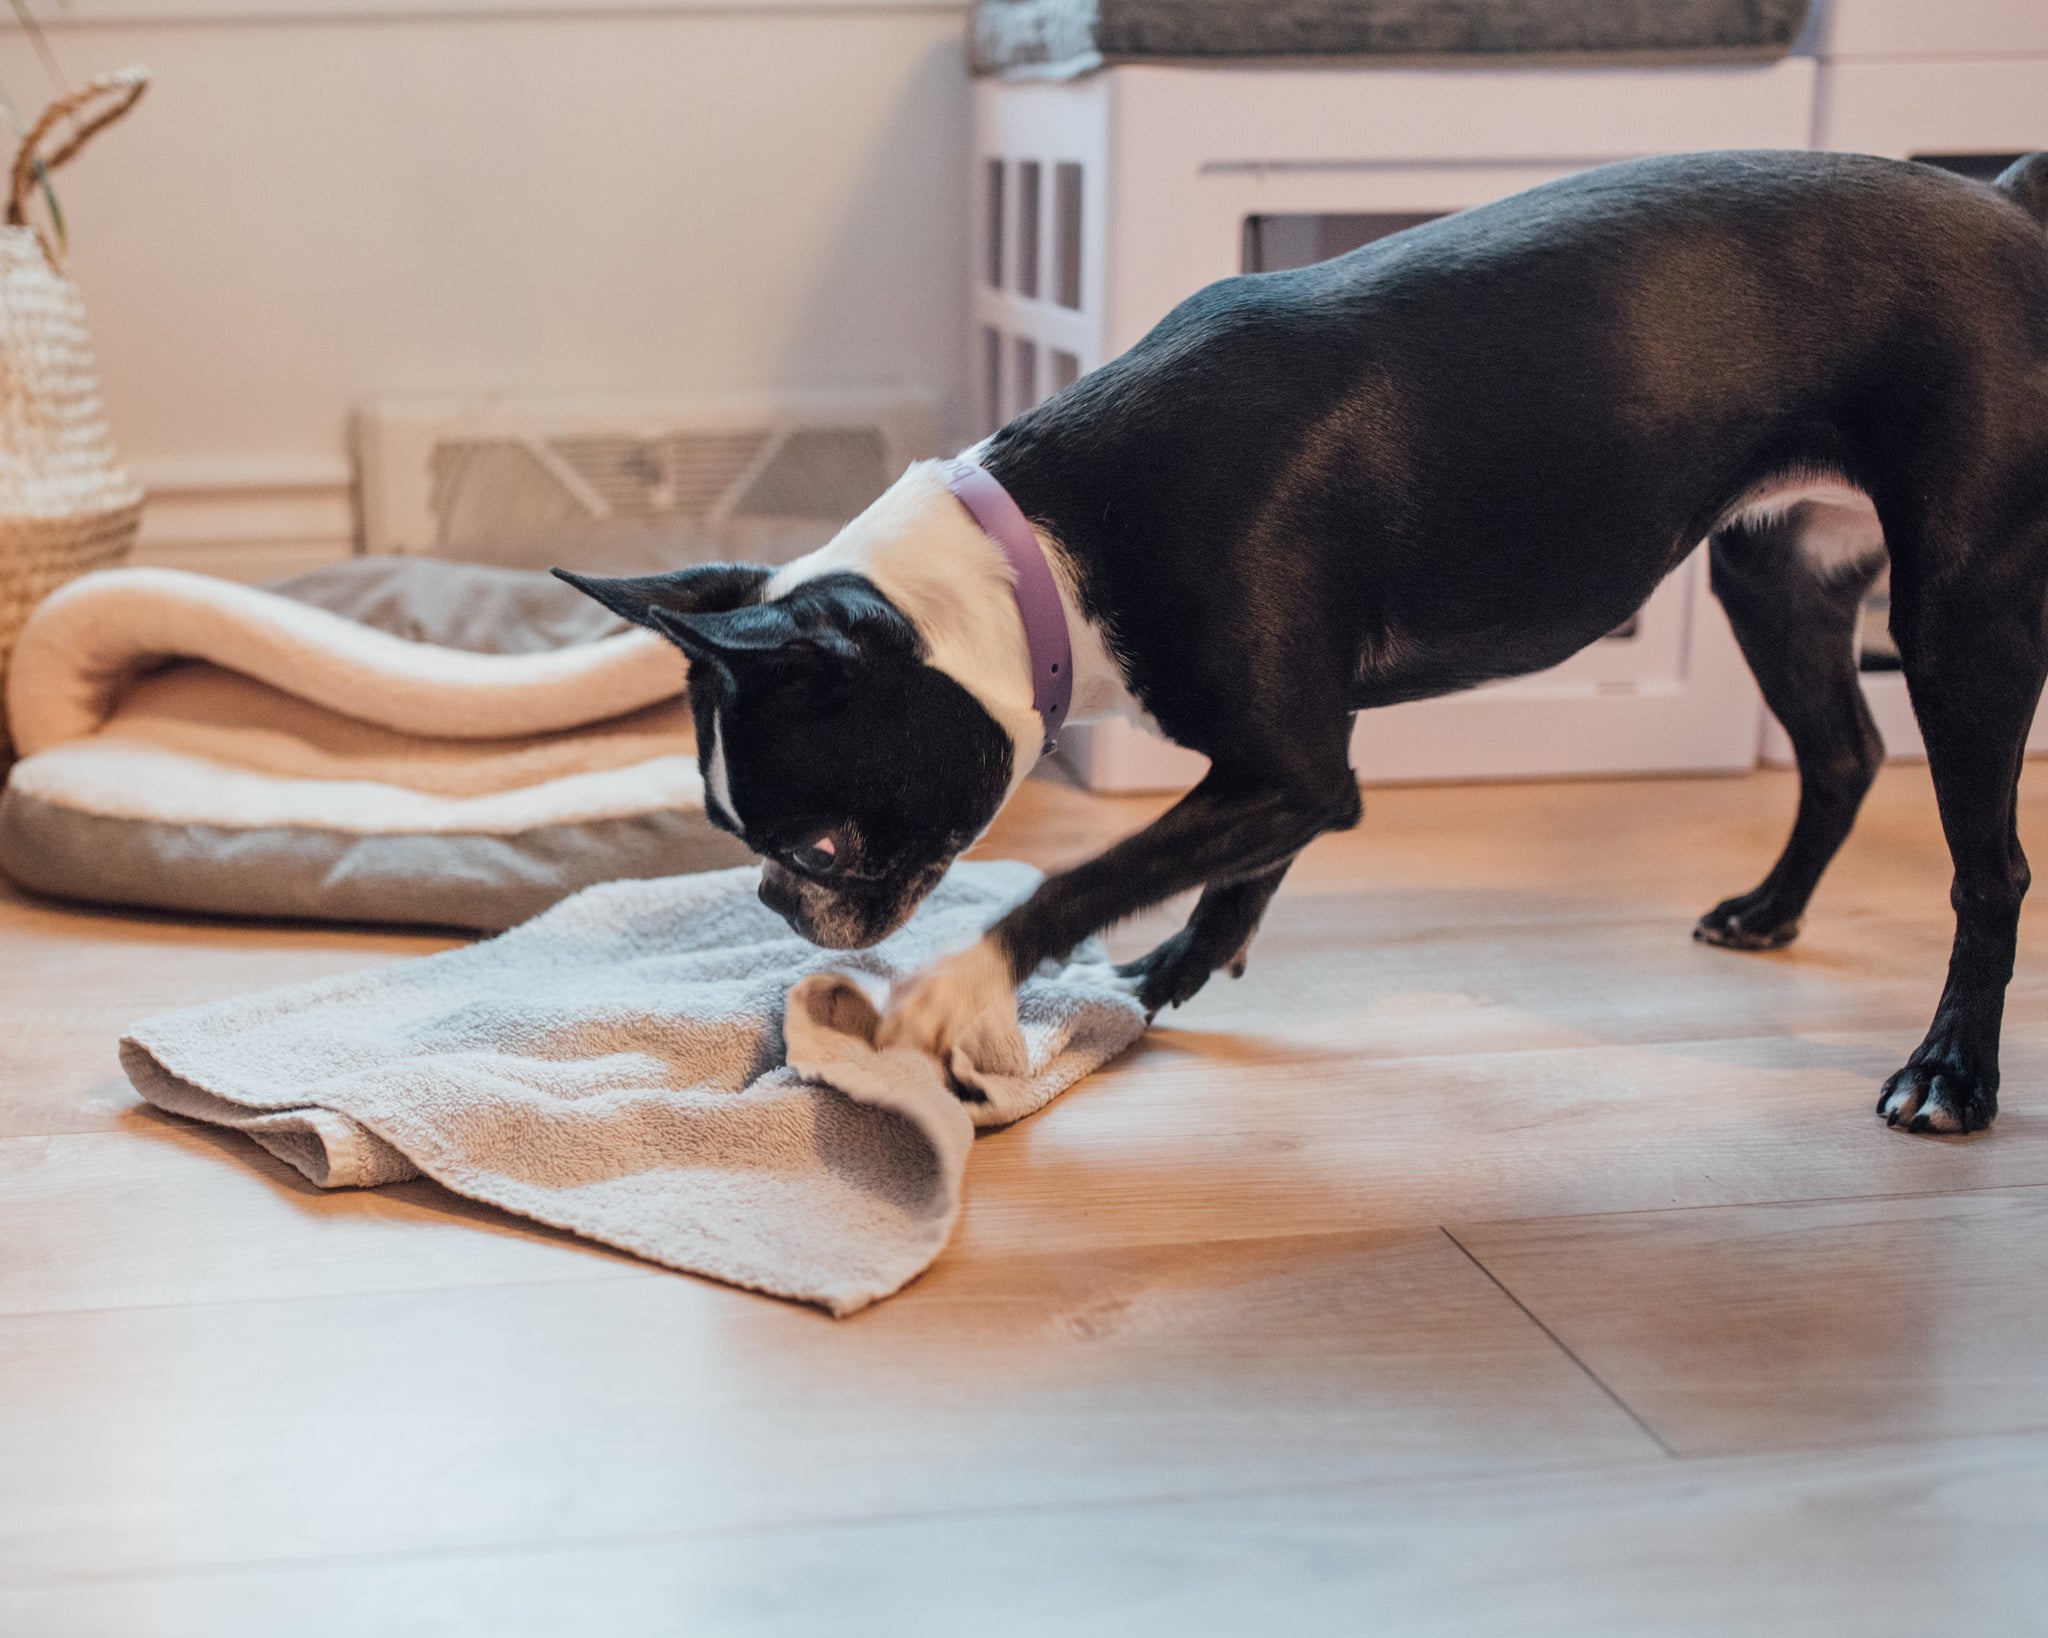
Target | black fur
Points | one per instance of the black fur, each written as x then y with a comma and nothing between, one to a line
1466,451
839,716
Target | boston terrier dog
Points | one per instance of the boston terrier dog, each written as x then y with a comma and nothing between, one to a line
1459,454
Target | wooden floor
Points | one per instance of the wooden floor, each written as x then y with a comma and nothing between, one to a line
1490,1260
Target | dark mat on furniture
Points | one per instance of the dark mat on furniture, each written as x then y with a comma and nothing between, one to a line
1073,36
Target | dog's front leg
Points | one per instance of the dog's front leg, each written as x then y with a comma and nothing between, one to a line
1218,933
1226,832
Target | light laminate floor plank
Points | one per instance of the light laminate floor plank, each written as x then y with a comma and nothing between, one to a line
1209,1147
1741,1329
1200,1137
1213,1269
149,1438
1397,1055
162,1211
75,980
1901,1542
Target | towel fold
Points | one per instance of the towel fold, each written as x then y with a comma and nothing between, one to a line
658,1065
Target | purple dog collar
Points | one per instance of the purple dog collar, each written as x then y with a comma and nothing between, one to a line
1038,598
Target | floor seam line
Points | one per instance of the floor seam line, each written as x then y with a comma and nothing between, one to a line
1591,1375
1755,1205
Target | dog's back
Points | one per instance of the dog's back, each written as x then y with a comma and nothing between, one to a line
1481,443
2025,183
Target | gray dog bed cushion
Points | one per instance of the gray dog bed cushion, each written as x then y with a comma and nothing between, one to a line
391,740
471,606
1061,37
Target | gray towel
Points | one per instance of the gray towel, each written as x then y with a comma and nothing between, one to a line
623,1067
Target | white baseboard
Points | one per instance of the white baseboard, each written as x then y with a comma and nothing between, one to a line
248,518
1483,734
1118,758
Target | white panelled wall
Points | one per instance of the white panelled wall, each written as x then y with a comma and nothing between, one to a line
319,202
324,201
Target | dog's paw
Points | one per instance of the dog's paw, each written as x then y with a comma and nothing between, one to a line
1749,921
1172,973
935,1010
1939,1094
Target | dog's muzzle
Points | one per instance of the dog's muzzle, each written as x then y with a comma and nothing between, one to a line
815,912
836,919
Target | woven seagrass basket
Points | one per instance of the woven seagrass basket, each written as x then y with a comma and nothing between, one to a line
66,505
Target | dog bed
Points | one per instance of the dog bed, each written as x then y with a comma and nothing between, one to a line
389,740
1061,37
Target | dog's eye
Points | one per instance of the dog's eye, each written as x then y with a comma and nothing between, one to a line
820,858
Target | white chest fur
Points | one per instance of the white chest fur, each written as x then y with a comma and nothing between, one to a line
1837,527
923,551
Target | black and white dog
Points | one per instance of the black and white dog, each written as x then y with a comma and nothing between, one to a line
1459,454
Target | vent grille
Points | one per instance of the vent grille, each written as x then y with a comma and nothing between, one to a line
678,476
648,502
630,483
819,472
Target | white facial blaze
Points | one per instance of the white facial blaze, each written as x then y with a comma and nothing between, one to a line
717,788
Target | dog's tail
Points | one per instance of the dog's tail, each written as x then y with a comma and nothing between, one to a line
2025,183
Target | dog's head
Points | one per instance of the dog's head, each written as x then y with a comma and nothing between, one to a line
827,742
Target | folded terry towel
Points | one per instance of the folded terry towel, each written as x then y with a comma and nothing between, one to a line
622,1067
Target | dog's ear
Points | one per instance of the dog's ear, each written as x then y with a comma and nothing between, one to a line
647,599
820,639
763,636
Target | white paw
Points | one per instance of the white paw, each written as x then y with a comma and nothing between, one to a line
1911,1102
936,1010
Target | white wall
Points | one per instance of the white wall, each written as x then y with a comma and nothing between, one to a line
317,202
322,200
1904,77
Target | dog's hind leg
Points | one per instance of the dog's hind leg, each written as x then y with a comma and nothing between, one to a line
1217,935
1792,588
1974,654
